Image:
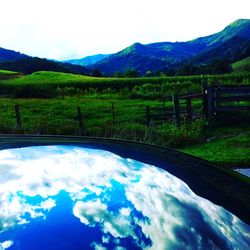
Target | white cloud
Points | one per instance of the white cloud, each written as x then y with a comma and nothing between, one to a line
61,28
120,248
105,239
125,211
166,202
97,246
14,207
6,244
92,213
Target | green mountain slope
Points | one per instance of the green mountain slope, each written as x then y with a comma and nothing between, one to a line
231,50
240,27
231,44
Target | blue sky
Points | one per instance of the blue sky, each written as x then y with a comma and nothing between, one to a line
62,29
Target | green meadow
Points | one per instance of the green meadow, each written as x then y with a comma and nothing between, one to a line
242,65
51,81
116,108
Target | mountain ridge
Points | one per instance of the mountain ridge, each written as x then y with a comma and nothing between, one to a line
88,60
10,55
163,55
16,61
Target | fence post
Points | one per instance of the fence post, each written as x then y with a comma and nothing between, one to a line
209,103
18,117
176,108
80,119
164,105
189,108
148,115
204,99
113,112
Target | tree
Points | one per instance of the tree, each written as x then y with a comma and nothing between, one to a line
221,67
118,75
96,73
149,74
131,73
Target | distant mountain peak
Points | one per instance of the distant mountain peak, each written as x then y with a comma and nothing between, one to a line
239,22
88,60
135,47
240,27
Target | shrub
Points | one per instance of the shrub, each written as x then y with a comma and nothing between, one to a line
32,91
186,134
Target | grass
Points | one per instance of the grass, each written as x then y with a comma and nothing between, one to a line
227,145
57,79
7,75
59,114
8,72
242,65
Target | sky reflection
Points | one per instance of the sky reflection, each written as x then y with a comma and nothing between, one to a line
67,197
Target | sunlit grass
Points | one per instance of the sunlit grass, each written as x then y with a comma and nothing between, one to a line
225,145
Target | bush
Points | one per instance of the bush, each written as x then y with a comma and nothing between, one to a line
126,131
167,134
187,134
32,91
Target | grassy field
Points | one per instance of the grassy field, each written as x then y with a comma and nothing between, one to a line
49,84
7,72
60,114
226,145
8,75
242,65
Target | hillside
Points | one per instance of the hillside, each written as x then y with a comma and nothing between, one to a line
28,65
6,74
231,44
48,78
240,27
242,65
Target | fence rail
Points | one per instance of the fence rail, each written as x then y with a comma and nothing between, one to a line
227,98
214,99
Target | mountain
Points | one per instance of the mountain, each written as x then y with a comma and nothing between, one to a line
240,27
88,60
10,55
231,50
15,61
151,57
231,44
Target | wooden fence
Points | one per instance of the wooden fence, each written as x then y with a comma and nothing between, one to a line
182,107
214,100
226,98
81,129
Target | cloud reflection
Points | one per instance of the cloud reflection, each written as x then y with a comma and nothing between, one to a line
126,199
